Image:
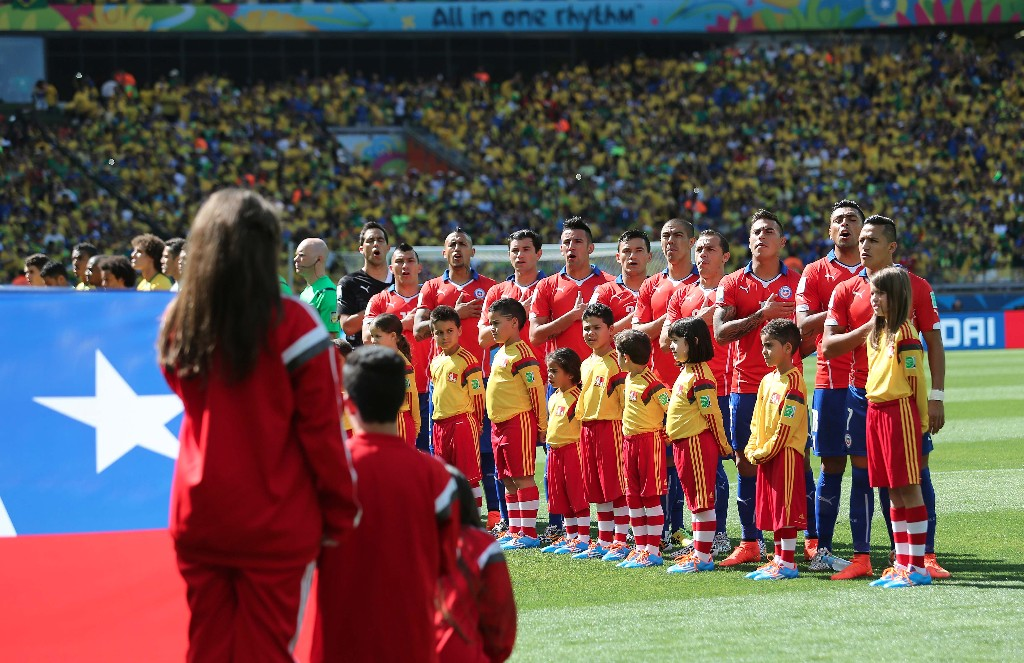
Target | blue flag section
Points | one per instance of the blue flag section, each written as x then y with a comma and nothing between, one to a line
90,426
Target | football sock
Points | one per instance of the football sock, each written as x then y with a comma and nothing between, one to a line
676,499
529,502
809,492
605,523
862,510
827,491
704,524
884,502
746,499
785,539
515,523
655,521
583,525
478,493
900,536
721,498
621,520
928,492
638,520
917,533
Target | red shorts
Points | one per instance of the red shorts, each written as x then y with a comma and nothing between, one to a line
894,444
565,481
645,464
407,427
781,492
457,442
604,475
696,460
515,446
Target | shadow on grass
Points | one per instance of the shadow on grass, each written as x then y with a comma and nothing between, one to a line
966,570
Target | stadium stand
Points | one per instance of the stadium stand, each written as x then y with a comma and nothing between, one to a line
924,130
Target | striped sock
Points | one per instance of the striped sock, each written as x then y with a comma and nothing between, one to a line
605,523
529,503
621,519
638,520
900,536
917,535
515,523
583,525
785,542
478,493
704,526
778,549
655,522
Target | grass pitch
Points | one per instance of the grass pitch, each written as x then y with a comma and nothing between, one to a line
591,611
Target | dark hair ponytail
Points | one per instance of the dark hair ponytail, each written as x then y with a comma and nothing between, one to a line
390,323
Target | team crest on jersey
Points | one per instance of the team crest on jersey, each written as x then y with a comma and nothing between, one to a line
705,402
910,363
775,399
479,293
475,383
632,397
848,440
785,292
453,377
891,350
560,411
630,309
789,411
599,381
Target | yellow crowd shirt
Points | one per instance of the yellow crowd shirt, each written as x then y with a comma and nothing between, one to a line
694,406
896,370
158,282
563,423
780,416
515,385
458,385
601,394
646,403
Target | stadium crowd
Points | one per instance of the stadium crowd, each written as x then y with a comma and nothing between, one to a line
925,129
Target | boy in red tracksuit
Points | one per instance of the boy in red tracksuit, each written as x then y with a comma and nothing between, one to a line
376,597
476,610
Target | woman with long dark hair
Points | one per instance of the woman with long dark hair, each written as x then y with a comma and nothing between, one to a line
263,478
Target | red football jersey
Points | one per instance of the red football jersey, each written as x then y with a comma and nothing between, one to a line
389,301
685,303
367,586
555,296
850,307
616,296
651,304
442,291
476,618
747,293
813,293
262,470
509,288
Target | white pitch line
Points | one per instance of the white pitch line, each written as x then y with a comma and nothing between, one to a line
6,526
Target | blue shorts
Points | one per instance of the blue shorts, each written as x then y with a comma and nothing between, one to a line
856,422
856,425
723,405
741,412
828,424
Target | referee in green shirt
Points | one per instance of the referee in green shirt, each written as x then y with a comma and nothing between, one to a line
320,292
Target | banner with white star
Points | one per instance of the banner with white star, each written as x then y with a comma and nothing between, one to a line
90,427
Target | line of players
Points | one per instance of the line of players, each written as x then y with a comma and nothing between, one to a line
447,325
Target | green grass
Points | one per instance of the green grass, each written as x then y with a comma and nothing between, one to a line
595,612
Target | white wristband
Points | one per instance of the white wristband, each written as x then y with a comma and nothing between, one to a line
936,395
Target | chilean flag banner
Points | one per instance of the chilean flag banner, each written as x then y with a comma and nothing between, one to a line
86,459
